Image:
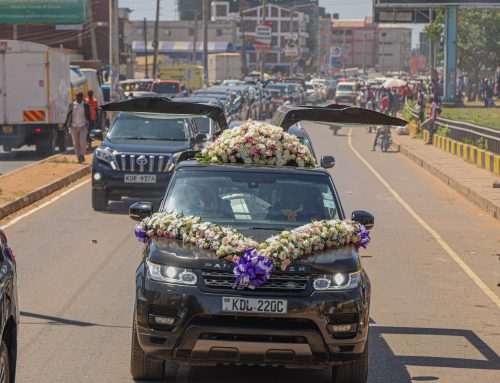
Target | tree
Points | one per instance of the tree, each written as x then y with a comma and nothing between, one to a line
478,43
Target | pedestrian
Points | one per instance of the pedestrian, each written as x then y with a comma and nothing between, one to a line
384,104
363,98
421,105
77,121
433,115
488,95
93,105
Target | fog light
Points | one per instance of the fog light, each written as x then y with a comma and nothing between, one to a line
97,176
162,321
342,328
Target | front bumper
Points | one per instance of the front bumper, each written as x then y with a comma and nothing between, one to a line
112,182
205,335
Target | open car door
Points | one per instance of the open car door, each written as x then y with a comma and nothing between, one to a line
166,106
287,116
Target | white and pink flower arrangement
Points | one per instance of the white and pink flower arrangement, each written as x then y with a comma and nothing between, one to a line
257,142
254,262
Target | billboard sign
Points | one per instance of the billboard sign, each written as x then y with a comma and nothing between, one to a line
292,45
429,3
44,11
263,37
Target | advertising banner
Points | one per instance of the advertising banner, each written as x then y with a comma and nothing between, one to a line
44,11
263,37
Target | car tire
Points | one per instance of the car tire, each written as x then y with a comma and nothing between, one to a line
99,200
143,367
355,371
4,363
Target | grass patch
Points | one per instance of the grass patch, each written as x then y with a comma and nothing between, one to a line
488,117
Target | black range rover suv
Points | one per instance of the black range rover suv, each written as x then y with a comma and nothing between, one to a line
315,314
136,157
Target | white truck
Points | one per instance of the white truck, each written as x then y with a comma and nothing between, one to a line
224,66
34,96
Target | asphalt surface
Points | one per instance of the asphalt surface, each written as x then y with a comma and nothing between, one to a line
430,321
18,158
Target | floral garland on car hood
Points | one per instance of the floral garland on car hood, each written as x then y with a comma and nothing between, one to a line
257,142
254,262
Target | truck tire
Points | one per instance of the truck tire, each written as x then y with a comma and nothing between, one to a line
46,143
355,371
99,200
7,148
61,141
142,367
4,363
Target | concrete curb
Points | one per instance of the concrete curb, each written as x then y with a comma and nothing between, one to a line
473,196
42,192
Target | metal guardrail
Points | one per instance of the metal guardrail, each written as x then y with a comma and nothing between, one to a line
460,131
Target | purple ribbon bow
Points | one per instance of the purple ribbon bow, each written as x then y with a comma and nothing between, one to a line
252,269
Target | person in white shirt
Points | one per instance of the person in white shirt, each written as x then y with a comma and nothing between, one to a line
77,121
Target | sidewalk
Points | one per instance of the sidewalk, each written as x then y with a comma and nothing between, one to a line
474,183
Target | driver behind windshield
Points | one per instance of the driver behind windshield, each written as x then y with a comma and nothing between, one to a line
293,207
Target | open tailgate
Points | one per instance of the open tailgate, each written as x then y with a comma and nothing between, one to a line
166,106
334,113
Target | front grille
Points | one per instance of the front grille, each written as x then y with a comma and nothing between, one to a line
142,163
286,282
343,318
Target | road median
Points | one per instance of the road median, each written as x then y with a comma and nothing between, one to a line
25,186
473,183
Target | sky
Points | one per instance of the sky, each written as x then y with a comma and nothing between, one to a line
347,9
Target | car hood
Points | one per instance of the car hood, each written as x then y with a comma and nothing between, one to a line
178,254
146,146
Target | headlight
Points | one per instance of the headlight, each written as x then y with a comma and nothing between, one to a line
105,154
338,281
170,274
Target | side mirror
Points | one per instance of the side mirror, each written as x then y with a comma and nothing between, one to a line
140,210
327,162
364,218
96,134
200,138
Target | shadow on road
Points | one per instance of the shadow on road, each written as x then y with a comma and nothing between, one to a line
52,320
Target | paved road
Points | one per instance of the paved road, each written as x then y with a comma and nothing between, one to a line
430,321
18,158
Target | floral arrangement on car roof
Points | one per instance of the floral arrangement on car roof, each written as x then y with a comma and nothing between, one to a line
257,142
254,262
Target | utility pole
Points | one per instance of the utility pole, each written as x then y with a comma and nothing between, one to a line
263,54
364,53
318,53
195,33
243,42
155,40
205,42
145,35
114,61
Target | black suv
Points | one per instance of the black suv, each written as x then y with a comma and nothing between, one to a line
187,310
137,155
9,311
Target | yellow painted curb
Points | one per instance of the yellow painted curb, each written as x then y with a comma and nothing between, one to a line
496,164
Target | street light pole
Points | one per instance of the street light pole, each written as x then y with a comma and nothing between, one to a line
205,42
114,63
155,40
263,54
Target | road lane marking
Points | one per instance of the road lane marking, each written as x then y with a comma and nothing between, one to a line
472,275
51,201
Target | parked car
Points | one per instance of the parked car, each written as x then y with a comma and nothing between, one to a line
204,124
9,321
167,88
315,313
140,85
346,92
136,156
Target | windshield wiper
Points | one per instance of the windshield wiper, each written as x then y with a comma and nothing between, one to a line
266,228
130,138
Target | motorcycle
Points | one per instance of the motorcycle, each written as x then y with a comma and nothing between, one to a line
385,139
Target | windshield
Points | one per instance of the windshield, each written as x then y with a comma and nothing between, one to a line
149,127
202,123
309,86
345,88
139,86
281,90
252,199
169,88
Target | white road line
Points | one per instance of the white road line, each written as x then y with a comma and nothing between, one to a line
51,201
472,275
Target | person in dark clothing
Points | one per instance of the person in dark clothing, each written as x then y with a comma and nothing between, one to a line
77,122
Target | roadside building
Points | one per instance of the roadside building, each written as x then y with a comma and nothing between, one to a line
394,48
358,41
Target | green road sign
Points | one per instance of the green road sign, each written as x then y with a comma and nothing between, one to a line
44,11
